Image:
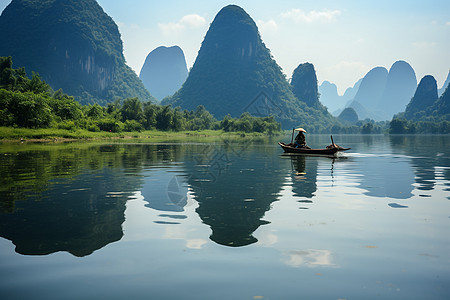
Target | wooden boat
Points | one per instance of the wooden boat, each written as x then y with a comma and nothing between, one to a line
329,150
288,148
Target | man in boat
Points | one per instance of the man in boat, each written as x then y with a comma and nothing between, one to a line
300,139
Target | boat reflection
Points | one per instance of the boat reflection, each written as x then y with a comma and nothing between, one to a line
304,176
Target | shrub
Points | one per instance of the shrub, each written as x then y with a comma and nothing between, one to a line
132,125
111,125
68,125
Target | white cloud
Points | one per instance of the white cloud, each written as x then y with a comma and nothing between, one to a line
447,23
195,243
267,27
187,22
300,16
350,66
424,45
193,21
308,258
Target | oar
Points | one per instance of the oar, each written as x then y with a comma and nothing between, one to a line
292,137
332,142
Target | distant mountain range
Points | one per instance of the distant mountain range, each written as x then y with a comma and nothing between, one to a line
330,98
369,94
73,44
378,96
164,71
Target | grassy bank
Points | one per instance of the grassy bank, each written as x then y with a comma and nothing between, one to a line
10,134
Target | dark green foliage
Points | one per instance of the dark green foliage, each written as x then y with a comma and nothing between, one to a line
426,113
74,45
400,126
24,109
17,80
95,111
132,110
443,103
440,110
31,103
164,118
304,85
65,107
150,111
36,85
201,118
367,128
23,102
110,124
126,84
132,125
247,123
426,94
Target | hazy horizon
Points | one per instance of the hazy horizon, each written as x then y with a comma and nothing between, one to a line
343,39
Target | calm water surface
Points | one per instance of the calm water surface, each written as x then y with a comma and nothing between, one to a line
226,220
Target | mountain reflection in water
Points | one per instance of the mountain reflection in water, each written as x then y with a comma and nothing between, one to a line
73,197
234,188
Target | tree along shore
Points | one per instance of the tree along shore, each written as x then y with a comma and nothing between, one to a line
13,135
31,103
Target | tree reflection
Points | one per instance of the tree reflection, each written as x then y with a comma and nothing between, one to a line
80,220
66,198
428,154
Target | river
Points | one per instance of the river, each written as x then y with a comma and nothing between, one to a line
226,219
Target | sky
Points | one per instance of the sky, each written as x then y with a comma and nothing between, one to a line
343,39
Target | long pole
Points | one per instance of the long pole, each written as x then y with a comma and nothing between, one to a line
292,137
332,142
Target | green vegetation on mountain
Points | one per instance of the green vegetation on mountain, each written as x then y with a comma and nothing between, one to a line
235,73
74,45
304,85
426,113
426,94
441,107
31,103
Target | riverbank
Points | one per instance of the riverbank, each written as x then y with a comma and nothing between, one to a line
10,134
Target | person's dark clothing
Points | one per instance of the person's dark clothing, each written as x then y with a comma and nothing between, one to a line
300,140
